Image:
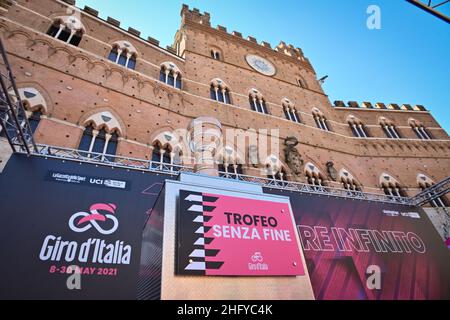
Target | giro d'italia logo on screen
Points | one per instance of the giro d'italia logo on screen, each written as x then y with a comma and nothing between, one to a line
101,218
105,224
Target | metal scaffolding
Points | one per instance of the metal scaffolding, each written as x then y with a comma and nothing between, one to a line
433,7
433,194
13,118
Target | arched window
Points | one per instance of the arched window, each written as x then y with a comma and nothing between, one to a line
274,169
100,136
348,181
389,128
229,163
170,75
68,29
34,104
290,112
167,150
313,176
357,127
123,53
99,143
420,130
257,102
301,82
215,54
391,187
321,121
424,183
161,155
219,91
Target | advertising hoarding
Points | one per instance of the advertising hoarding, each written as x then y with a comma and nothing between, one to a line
369,250
55,215
221,235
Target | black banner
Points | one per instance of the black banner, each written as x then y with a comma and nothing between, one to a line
56,215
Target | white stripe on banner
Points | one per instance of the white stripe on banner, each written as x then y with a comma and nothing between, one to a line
200,231
200,242
196,208
197,253
199,219
193,197
196,266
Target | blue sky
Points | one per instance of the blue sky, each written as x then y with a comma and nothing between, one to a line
406,61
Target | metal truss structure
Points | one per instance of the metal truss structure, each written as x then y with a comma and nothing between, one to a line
13,118
53,152
313,189
110,160
432,7
433,194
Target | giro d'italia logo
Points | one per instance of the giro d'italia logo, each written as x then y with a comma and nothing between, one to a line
100,217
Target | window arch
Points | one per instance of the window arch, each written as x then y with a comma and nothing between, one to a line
301,82
216,54
314,176
257,102
389,128
229,163
101,136
348,181
390,185
34,104
170,74
68,29
275,169
321,121
219,91
357,127
289,111
424,183
99,144
166,151
419,129
162,154
123,53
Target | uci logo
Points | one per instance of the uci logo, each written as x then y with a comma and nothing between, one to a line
96,181
83,221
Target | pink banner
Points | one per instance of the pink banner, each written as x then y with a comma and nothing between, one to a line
252,237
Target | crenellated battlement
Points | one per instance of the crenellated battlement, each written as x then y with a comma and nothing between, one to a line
114,22
379,106
196,16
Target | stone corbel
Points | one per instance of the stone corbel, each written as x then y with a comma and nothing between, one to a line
51,51
156,89
108,73
90,65
125,79
72,59
30,43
